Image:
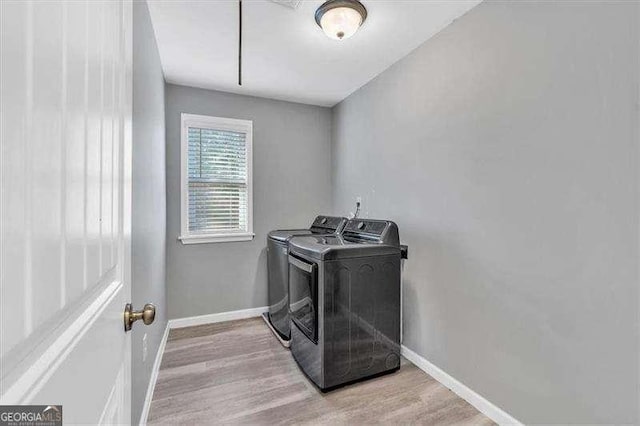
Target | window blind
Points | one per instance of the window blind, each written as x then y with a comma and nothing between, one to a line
217,181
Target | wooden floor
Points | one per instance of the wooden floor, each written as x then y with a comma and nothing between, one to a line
237,372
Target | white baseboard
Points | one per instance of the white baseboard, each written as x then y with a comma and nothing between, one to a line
213,318
154,377
487,408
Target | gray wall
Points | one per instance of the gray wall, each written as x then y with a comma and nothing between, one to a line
292,183
149,200
506,148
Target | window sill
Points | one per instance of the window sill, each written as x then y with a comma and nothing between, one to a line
222,238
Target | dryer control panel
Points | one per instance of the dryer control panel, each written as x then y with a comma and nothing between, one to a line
371,230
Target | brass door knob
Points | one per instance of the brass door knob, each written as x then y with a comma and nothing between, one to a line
147,315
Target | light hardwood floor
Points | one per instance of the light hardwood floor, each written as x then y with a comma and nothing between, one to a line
237,372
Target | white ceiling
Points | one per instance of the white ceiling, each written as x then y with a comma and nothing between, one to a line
285,54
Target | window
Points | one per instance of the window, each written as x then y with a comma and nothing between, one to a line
216,193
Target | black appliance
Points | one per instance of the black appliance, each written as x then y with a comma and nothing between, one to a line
278,270
345,302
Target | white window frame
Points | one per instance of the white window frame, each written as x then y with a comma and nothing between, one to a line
218,123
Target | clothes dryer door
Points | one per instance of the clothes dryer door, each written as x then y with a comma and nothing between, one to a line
303,296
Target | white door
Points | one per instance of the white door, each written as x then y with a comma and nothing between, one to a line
65,207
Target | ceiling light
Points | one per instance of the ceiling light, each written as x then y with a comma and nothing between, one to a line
340,19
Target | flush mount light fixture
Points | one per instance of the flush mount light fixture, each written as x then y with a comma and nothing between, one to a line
340,19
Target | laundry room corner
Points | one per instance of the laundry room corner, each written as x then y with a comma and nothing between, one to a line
291,159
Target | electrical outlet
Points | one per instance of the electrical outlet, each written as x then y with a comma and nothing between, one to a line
144,347
359,199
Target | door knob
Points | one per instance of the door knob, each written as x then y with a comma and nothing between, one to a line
147,315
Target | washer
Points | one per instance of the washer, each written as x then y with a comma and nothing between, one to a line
345,303
278,271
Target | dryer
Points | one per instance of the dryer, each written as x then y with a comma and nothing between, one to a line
278,270
345,303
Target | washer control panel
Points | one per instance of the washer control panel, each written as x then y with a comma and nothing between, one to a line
372,227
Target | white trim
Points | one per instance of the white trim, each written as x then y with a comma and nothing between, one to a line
219,123
216,238
37,375
220,317
154,377
483,405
